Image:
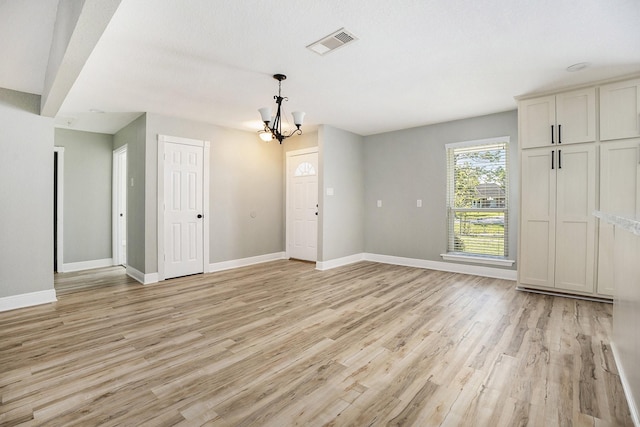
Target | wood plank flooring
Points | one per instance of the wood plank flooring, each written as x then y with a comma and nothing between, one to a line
282,344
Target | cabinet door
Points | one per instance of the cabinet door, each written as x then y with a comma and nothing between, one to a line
575,223
537,118
537,213
620,110
576,116
619,194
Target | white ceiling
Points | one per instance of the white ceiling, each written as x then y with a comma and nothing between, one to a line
26,29
416,62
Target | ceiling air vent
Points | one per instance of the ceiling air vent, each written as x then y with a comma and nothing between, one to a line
332,42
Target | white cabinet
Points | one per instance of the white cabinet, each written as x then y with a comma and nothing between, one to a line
566,118
619,194
620,110
557,229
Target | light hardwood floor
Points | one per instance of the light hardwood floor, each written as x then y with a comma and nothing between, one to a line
282,344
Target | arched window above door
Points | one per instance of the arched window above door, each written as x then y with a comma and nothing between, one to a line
305,169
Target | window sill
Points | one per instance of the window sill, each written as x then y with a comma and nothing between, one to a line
477,259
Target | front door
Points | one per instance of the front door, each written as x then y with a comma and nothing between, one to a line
183,210
302,206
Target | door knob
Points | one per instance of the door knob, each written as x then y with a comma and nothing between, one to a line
199,215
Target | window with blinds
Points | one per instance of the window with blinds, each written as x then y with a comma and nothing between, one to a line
478,197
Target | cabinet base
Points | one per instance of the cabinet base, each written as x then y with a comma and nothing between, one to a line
563,294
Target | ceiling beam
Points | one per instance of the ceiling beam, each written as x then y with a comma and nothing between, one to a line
79,25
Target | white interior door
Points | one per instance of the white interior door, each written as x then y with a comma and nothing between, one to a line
119,212
302,203
183,210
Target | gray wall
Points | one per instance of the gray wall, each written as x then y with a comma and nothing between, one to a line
341,226
87,194
26,195
134,135
246,177
406,165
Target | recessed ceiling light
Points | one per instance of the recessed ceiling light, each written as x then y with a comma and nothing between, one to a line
96,111
577,67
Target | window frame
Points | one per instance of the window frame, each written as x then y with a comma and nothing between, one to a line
452,255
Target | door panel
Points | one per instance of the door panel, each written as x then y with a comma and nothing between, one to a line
575,223
119,200
538,218
620,110
302,216
183,170
536,117
576,114
619,194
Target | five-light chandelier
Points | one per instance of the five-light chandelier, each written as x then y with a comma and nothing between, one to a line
273,125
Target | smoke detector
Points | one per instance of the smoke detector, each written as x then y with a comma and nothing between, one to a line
332,42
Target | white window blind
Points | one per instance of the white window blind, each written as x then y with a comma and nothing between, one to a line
478,197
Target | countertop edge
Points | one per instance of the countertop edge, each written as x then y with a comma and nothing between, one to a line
631,225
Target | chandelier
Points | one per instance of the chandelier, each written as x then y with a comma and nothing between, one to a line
274,130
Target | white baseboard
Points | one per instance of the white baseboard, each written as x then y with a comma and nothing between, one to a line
141,277
85,265
244,262
633,408
338,262
476,270
27,300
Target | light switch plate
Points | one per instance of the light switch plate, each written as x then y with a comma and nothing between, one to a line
330,191
379,203
419,203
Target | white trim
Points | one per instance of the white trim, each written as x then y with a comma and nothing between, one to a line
86,265
626,386
339,262
60,208
486,141
451,209
206,164
115,196
145,279
27,300
568,88
302,151
478,259
476,270
288,156
244,262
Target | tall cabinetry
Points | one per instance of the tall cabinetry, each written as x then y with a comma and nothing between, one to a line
566,118
619,167
580,152
558,192
620,110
